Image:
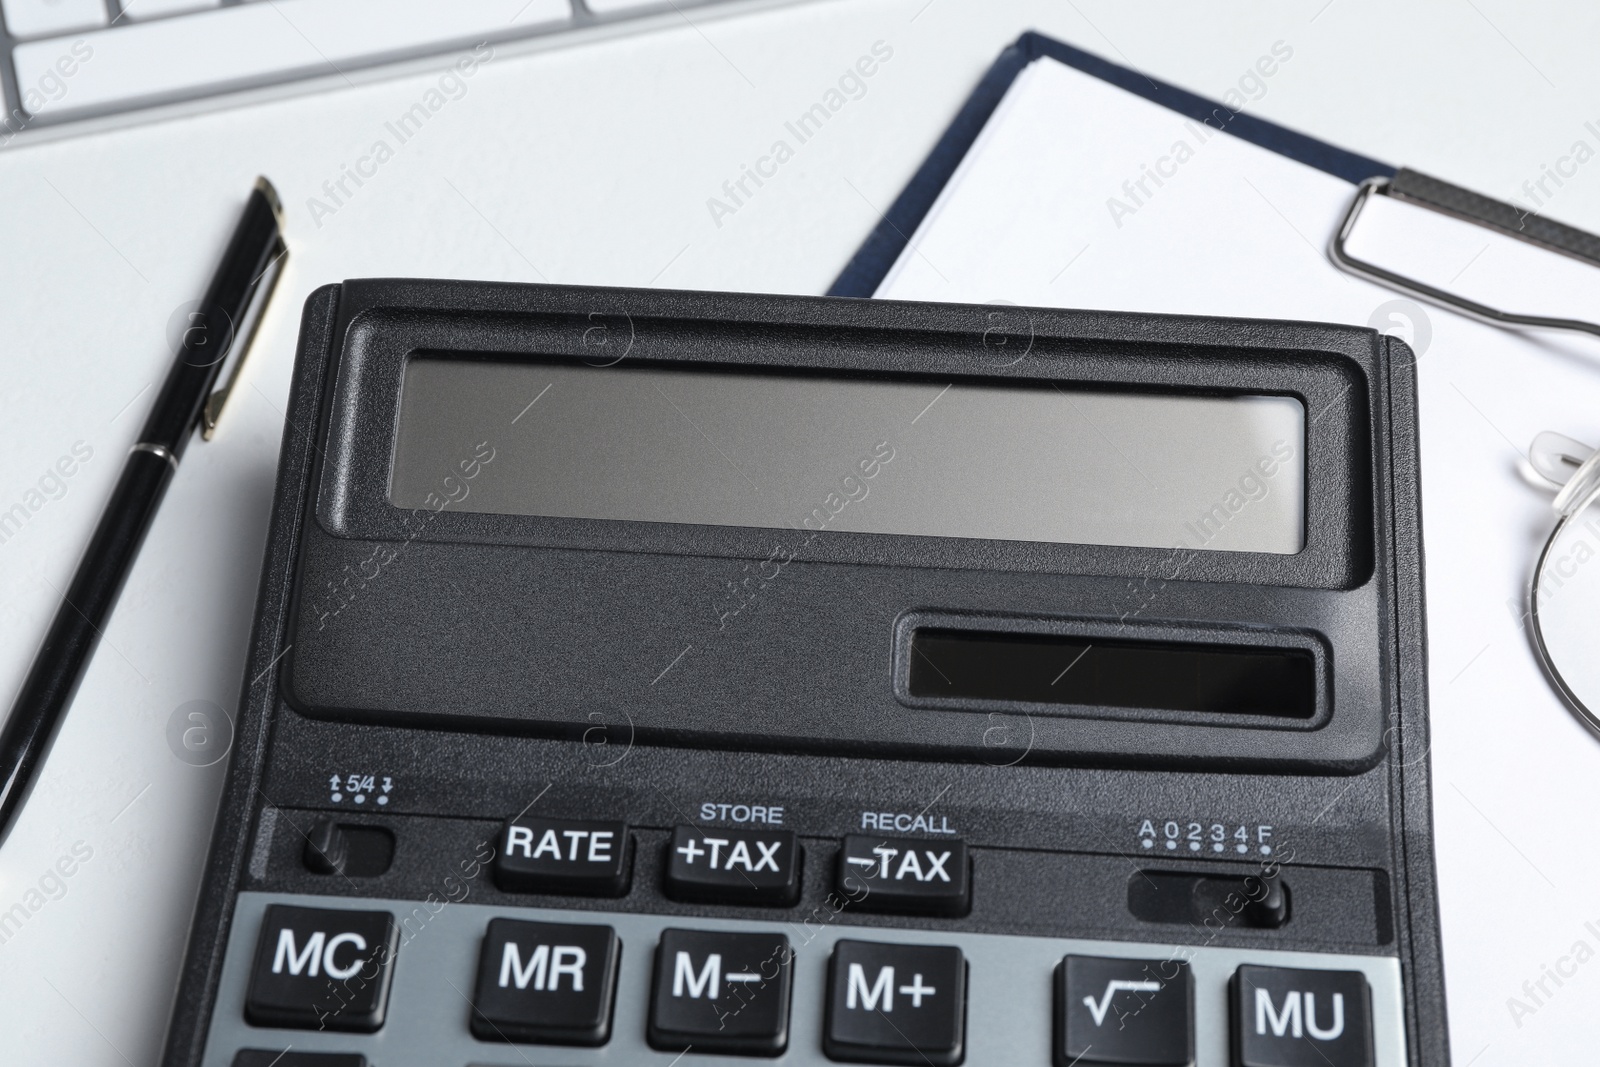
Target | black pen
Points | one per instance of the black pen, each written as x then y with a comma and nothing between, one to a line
224,322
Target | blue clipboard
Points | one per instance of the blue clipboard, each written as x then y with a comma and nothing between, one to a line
871,263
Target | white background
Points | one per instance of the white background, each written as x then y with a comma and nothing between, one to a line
594,165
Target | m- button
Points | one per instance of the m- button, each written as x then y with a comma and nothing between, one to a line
905,874
1295,1018
321,969
896,1004
537,855
721,866
721,992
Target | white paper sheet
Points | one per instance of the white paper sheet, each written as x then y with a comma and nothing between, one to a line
1047,210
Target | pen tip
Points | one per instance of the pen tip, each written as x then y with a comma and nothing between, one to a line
266,190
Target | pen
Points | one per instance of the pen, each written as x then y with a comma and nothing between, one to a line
188,398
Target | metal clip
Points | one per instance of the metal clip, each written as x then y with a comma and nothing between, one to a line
244,334
1421,290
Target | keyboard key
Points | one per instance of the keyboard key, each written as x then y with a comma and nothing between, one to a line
896,1004
252,44
156,9
321,969
1289,1018
720,866
546,983
725,993
1125,1012
537,855
905,874
43,18
255,1057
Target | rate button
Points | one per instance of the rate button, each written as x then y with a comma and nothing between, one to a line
538,855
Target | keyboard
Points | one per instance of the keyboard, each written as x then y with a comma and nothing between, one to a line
71,60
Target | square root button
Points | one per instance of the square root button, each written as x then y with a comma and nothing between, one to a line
1124,1012
321,969
725,993
1294,1018
892,1003
545,983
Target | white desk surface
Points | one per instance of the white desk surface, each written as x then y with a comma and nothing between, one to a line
593,165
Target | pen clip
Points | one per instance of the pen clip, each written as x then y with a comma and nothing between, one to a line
244,335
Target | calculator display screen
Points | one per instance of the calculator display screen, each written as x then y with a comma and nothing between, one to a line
774,448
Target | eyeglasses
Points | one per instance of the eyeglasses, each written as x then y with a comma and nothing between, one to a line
1564,598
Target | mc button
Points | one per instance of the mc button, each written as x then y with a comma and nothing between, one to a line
321,969
1291,1018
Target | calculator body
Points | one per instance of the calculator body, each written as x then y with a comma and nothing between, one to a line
674,745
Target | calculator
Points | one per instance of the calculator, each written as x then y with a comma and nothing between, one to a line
675,678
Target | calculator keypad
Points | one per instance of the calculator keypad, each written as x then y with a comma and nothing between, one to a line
730,988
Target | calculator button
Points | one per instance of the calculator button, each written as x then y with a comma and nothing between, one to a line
896,1004
719,866
904,874
726,993
256,1057
545,983
579,856
1115,1011
1290,1018
321,969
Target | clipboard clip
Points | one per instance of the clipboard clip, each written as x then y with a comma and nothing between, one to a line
1435,195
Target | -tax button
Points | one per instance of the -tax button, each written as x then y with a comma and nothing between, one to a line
905,874
577,856
321,969
1296,1018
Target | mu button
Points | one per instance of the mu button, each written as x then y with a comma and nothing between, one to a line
563,856
905,874
321,969
719,866
726,993
896,1004
1284,1018
545,983
1114,1011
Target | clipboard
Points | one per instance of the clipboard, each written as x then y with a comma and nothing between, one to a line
877,255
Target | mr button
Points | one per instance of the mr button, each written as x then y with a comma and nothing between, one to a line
719,866
1284,1018
1113,1011
726,993
896,1004
321,969
549,983
905,874
563,856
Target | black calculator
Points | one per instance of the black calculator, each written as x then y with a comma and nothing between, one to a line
668,678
